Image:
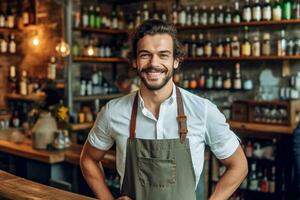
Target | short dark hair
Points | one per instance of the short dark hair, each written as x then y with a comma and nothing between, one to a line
155,26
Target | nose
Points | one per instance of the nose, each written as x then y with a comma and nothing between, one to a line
154,60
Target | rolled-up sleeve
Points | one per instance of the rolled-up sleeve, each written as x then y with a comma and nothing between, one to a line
221,140
100,135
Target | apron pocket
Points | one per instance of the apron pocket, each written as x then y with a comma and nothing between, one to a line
156,172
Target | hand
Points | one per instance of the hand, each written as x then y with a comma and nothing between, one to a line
124,198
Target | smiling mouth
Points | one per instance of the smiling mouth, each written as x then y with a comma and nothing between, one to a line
152,73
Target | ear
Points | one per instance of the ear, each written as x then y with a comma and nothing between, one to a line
176,64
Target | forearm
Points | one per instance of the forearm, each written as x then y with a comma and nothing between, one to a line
228,183
95,178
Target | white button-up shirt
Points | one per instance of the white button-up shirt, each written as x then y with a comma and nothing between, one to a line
206,125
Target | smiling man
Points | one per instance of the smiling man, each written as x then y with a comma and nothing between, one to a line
161,131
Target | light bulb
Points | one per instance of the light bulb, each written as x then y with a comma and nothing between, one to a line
90,50
36,40
63,49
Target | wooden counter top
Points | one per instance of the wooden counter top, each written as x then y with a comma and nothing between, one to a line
16,188
25,150
261,128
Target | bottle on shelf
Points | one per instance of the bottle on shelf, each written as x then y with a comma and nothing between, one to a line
174,15
272,181
155,14
253,182
188,16
282,44
256,11
24,83
121,21
204,16
219,48
145,12
114,20
2,16
264,183
25,14
85,17
266,44
246,45
182,16
228,16
193,82
277,11
236,16
3,44
195,16
255,46
212,15
138,18
98,19
12,46
51,72
227,47
192,46
209,82
237,82
227,81
220,15
235,47
218,82
91,17
208,47
12,79
201,80
247,15
267,11
10,17
287,9
200,46
296,10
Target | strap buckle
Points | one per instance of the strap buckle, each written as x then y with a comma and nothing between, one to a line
182,127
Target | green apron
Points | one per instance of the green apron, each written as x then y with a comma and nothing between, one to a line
159,169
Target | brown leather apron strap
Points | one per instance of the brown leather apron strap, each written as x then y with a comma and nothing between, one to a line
181,117
133,117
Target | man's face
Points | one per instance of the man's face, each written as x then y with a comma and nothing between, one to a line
155,61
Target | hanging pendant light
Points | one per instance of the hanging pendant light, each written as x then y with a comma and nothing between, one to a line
63,48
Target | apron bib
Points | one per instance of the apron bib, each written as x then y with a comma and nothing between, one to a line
159,169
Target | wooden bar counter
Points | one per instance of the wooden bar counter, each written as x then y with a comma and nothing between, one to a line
16,188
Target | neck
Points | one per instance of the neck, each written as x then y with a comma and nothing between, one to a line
153,98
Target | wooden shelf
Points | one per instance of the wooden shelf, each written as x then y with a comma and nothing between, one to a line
261,128
5,116
237,25
243,58
9,30
32,98
100,60
82,126
102,30
100,97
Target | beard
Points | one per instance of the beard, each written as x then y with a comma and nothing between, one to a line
162,83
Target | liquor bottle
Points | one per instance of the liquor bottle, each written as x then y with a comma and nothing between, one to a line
246,46
264,184
296,10
212,16
228,16
256,11
92,16
227,47
235,47
2,17
182,16
200,46
287,9
220,15
3,44
15,120
227,81
247,12
267,11
193,46
201,80
256,46
138,18
25,15
145,12
51,72
272,181
12,79
195,18
203,16
218,82
237,82
208,47
277,11
266,45
281,44
98,19
85,17
12,47
155,14
193,82
210,79
24,83
236,16
253,182
188,16
10,18
114,20
174,15
219,48
249,149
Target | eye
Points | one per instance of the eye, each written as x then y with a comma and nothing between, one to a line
144,55
164,56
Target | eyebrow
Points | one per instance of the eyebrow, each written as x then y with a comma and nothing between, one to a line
161,52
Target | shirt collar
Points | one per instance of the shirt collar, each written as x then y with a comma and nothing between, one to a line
168,101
